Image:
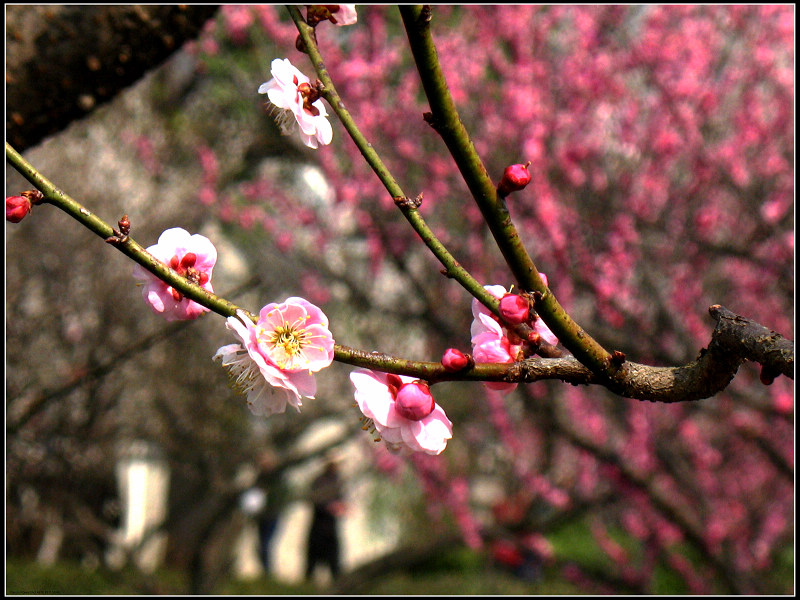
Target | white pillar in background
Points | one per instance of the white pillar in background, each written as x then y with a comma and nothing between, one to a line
144,486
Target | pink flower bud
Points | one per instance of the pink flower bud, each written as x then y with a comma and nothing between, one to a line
515,178
414,401
454,360
514,308
17,208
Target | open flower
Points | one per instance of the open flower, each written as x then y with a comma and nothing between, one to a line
402,411
295,100
192,256
346,15
275,363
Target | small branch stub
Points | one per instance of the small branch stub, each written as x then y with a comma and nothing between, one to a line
426,14
35,196
124,225
431,120
408,203
617,358
120,235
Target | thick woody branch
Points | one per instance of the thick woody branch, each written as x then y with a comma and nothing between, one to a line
734,340
753,341
64,61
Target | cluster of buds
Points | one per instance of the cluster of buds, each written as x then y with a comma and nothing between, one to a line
18,207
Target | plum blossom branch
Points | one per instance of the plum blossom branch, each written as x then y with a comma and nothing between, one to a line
445,120
406,205
734,340
59,199
708,375
123,243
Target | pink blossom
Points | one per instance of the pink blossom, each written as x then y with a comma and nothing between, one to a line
483,317
348,14
238,20
480,324
345,15
192,256
279,355
491,342
291,94
382,399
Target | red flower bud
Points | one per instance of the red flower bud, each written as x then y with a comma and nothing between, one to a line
17,208
514,309
454,360
414,401
515,178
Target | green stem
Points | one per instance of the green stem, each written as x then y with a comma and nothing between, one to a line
453,269
445,120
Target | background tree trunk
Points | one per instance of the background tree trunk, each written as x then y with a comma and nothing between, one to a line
63,61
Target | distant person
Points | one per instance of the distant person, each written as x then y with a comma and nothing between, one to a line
323,537
264,503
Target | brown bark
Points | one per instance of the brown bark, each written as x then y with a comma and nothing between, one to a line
63,61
